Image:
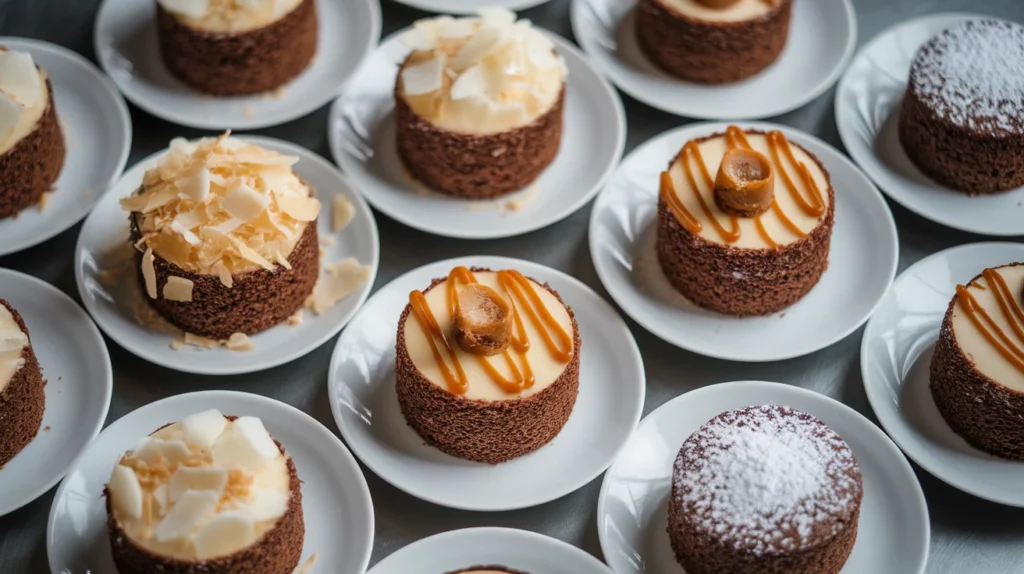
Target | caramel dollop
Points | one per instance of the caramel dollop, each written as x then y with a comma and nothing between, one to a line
745,184
483,320
717,4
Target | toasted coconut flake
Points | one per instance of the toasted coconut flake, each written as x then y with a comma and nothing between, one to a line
149,273
337,281
178,289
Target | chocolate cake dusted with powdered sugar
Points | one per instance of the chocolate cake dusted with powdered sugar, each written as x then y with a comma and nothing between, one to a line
764,489
962,120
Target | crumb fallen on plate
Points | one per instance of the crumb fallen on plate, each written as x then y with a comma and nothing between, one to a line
44,200
46,428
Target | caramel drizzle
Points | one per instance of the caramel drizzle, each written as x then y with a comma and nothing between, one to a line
736,137
521,295
1011,350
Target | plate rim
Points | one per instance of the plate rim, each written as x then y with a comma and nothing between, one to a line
564,45
636,417
309,156
604,274
873,396
107,382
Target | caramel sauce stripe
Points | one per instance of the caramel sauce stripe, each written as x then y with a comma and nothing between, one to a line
1009,345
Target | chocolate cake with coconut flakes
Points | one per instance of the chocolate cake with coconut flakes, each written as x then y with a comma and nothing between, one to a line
478,104
237,47
977,370
744,222
22,398
962,119
213,494
487,364
764,490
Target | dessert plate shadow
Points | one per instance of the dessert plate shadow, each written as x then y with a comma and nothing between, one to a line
822,37
79,381
125,39
361,131
861,265
867,113
336,504
632,511
896,352
106,272
469,6
361,386
89,110
503,547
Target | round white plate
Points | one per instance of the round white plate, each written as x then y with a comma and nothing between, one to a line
90,110
469,6
362,393
76,368
336,505
125,39
896,352
632,510
103,245
516,549
867,114
822,37
861,263
361,131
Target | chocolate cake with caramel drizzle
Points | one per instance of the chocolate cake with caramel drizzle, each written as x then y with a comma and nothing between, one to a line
487,364
754,237
977,371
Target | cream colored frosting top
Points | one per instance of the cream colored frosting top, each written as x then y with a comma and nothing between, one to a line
221,206
712,151
987,358
23,97
740,11
480,75
231,16
202,487
12,341
546,367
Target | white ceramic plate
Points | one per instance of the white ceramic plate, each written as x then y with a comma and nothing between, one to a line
125,39
516,549
90,110
822,37
862,260
632,510
361,131
102,246
362,394
867,114
336,505
76,368
895,355
469,6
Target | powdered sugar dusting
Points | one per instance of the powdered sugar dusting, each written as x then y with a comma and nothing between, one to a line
766,479
973,75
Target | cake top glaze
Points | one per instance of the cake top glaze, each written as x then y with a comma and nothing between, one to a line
988,324
204,487
480,75
23,96
231,16
737,11
767,480
12,342
972,75
221,206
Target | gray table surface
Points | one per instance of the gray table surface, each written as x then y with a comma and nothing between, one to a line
969,535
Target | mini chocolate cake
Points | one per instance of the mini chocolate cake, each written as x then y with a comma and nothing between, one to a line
465,126
977,370
225,524
962,120
713,41
764,490
22,400
474,404
752,239
31,143
230,49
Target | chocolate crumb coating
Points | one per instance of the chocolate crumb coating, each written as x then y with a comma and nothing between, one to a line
32,166
711,52
22,401
248,62
484,431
